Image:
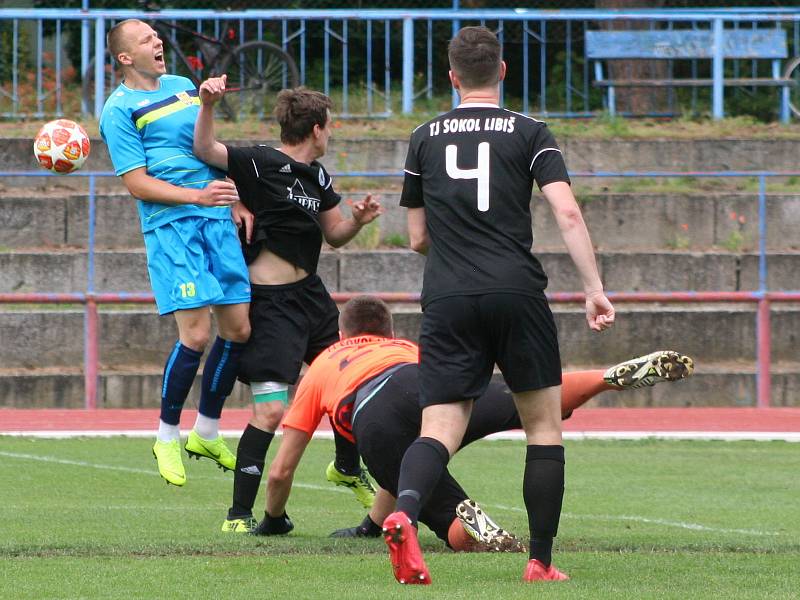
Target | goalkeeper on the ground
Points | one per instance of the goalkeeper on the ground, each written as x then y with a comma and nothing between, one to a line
367,384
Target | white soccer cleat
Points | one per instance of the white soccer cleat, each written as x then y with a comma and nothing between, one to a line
645,371
487,536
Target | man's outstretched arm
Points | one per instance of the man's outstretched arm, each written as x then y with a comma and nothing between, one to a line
282,469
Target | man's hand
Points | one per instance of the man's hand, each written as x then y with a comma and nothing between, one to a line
243,217
212,90
599,311
367,210
353,532
367,528
220,192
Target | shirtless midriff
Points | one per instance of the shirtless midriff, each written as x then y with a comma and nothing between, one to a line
271,269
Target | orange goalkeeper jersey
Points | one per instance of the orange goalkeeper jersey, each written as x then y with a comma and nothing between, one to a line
329,385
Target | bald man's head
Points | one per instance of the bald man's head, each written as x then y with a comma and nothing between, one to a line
120,38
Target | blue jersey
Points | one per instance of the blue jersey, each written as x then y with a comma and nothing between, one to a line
155,129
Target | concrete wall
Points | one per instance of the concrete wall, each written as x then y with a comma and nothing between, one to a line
647,242
580,154
616,221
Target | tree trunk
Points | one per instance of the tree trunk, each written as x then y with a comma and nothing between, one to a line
636,100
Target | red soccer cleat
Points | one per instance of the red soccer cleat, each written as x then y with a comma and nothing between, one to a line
536,571
407,562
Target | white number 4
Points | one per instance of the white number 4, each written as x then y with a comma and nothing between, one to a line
481,173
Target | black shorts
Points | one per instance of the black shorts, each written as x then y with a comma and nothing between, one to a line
462,338
389,422
290,324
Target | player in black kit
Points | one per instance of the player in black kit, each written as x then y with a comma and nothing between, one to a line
290,205
468,183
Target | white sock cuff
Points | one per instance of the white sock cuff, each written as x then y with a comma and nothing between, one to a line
206,427
267,387
167,432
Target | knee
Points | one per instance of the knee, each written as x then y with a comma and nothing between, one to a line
267,416
195,337
239,333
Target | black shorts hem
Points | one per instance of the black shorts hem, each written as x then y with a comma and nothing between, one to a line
532,387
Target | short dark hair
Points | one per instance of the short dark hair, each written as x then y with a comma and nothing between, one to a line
475,57
115,41
366,315
298,110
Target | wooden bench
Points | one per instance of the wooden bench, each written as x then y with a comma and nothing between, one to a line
769,44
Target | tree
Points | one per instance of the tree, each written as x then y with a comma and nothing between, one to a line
632,99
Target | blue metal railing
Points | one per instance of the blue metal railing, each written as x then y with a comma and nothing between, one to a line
400,45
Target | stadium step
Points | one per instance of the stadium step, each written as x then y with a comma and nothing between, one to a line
581,154
35,337
65,270
618,221
649,240
137,386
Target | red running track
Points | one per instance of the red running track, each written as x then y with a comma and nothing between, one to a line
648,420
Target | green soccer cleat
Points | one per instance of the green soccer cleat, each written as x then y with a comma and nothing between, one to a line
170,465
242,525
360,484
216,450
648,370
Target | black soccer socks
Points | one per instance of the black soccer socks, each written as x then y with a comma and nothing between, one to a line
250,456
347,459
420,471
543,492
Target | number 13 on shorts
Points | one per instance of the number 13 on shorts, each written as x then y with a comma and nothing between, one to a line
187,289
481,173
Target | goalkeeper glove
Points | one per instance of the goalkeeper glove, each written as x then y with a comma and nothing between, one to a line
274,525
367,528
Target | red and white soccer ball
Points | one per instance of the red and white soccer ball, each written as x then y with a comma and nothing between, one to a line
61,146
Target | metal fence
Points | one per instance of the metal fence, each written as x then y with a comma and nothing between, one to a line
402,4
377,62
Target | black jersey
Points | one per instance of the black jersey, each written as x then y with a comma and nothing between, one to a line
286,197
473,169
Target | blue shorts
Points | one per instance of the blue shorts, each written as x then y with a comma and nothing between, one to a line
196,262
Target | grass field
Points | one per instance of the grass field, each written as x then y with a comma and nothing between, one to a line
89,518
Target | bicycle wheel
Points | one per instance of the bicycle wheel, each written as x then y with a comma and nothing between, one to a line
792,72
257,71
111,81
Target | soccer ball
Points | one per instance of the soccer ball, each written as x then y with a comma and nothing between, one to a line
61,146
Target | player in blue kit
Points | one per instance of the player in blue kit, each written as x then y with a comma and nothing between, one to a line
193,254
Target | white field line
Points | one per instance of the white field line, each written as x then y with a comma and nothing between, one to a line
153,472
730,436
638,519
331,488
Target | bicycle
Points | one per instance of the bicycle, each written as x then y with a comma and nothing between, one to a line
256,70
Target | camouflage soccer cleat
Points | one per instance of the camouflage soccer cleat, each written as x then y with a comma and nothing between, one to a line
216,450
359,484
241,525
663,365
170,465
486,534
